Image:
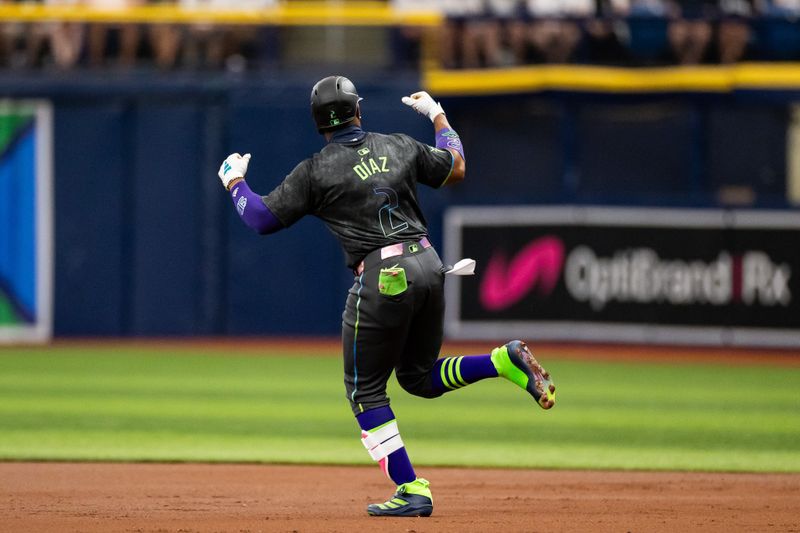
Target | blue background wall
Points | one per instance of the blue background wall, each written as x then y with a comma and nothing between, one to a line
147,242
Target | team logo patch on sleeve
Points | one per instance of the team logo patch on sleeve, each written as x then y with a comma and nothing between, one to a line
241,204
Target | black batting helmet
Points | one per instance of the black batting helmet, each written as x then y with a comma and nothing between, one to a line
334,102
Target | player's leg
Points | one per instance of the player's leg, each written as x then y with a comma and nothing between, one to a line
371,343
367,367
372,337
513,361
421,347
421,373
381,436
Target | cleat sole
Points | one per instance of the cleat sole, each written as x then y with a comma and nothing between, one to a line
540,387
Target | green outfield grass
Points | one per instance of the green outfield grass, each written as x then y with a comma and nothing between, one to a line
7,314
169,404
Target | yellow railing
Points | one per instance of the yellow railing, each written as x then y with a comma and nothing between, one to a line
710,79
351,13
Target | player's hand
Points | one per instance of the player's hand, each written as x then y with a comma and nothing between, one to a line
424,104
234,167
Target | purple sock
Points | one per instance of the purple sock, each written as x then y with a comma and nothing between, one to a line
451,373
382,439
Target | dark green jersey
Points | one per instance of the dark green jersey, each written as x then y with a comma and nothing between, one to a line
366,193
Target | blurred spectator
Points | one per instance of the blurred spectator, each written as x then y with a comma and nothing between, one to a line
517,34
480,42
165,40
734,31
66,39
407,40
555,32
62,42
125,38
606,31
459,17
646,26
475,34
213,46
778,35
485,37
37,43
511,40
205,43
10,34
779,8
648,8
7,44
690,30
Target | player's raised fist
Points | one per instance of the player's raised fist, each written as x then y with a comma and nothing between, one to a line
234,166
424,104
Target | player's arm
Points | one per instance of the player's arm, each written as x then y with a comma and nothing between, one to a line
250,206
446,136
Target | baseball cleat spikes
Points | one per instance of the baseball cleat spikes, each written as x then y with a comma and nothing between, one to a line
515,362
411,499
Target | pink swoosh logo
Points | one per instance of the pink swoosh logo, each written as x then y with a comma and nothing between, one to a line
504,284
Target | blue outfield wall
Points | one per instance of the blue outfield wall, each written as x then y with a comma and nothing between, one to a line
148,243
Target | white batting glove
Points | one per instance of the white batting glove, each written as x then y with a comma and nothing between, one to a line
234,166
424,104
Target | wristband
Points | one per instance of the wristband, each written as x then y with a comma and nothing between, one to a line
448,138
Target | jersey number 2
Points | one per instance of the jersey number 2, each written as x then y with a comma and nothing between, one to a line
386,217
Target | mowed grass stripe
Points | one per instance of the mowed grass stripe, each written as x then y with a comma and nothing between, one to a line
102,403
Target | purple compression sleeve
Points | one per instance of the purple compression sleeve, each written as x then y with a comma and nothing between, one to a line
448,138
252,210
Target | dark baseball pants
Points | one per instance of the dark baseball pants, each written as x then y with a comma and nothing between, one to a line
402,332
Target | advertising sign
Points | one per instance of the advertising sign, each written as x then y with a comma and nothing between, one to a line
26,248
626,275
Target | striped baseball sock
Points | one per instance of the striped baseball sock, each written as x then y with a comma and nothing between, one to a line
381,437
451,373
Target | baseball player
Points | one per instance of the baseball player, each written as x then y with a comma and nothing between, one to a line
363,187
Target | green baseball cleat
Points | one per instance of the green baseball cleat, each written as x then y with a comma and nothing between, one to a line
411,499
515,362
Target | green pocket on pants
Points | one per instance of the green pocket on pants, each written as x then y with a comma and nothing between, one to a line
392,281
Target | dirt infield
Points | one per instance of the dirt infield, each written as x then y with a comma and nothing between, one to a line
98,497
